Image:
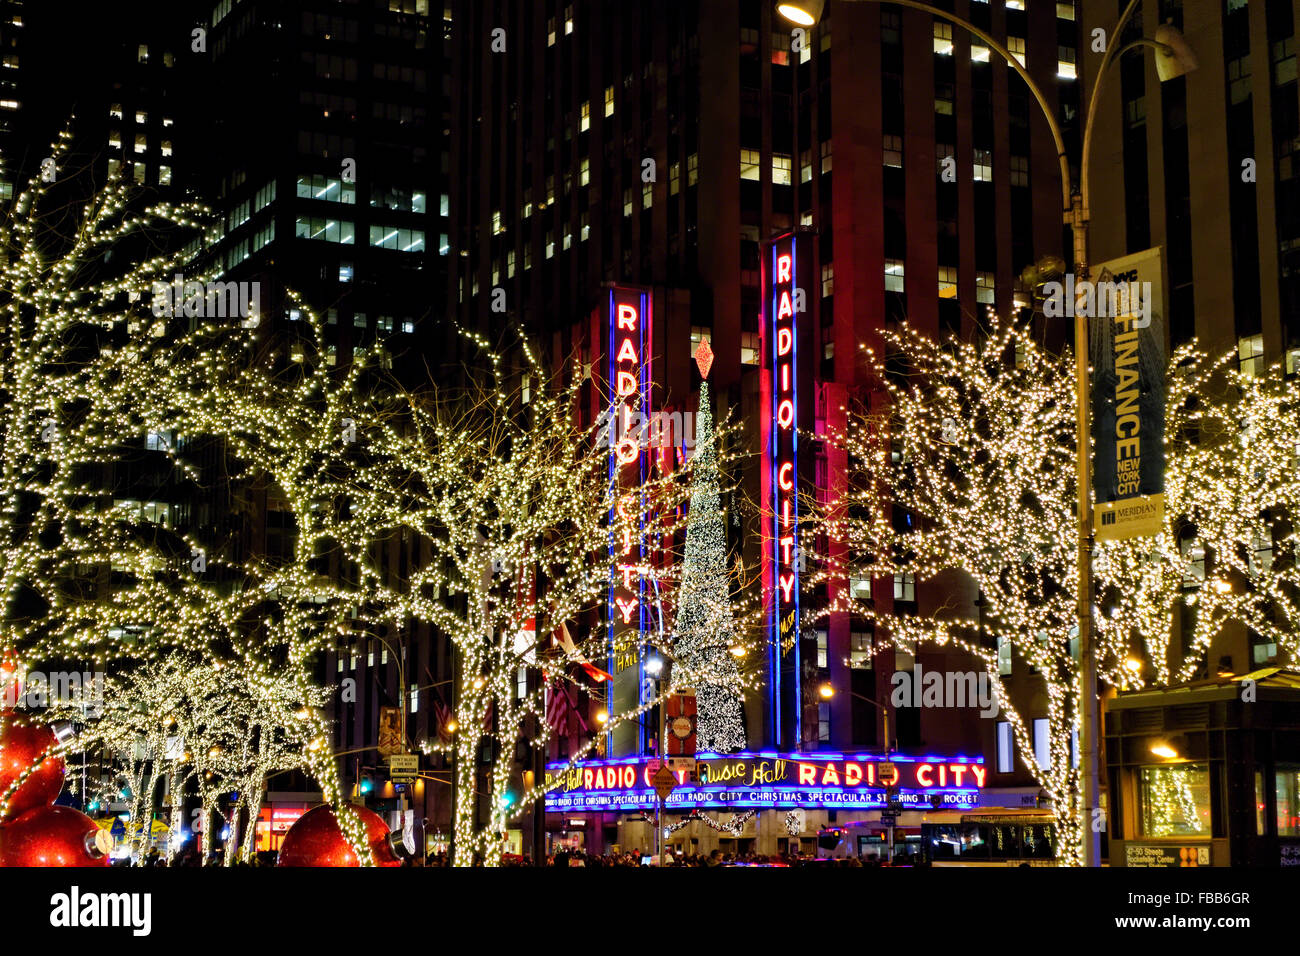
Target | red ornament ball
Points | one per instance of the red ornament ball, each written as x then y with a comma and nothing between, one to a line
20,746
11,685
315,839
54,836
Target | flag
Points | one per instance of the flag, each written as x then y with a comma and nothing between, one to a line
572,652
560,708
442,713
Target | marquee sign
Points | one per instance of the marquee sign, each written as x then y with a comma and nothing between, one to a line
771,779
785,301
629,399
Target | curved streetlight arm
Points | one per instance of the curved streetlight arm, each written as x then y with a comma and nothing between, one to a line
1112,53
1009,57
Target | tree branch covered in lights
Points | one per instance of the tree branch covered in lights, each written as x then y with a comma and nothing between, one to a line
966,470
110,397
510,497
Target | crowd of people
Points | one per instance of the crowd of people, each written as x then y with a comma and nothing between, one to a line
635,858
191,856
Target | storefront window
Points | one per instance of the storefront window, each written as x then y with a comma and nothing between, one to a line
1175,801
1288,800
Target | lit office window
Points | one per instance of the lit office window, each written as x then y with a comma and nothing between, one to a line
947,282
860,650
1016,47
1006,748
326,189
894,277
1065,67
329,230
1250,355
983,166
828,279
1042,743
390,237
609,101
984,288
748,348
1194,563
584,123
1004,656
750,161
943,38
905,586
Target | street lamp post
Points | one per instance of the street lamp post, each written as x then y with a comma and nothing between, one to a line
1173,59
827,691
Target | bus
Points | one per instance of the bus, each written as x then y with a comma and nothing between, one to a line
989,837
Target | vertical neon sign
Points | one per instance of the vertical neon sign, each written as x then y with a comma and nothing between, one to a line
629,405
784,304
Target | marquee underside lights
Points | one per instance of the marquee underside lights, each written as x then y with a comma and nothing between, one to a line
772,779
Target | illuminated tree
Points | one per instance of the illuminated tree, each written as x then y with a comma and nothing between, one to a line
967,466
510,497
705,632
100,378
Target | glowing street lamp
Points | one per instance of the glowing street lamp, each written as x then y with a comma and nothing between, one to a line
1173,59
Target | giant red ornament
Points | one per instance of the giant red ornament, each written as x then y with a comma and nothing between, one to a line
20,746
11,685
54,836
315,839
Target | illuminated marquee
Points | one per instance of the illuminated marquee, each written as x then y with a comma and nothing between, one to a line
772,779
785,301
629,401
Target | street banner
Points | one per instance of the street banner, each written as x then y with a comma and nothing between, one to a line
390,731
1125,306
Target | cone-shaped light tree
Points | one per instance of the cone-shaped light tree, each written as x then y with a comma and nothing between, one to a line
706,630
